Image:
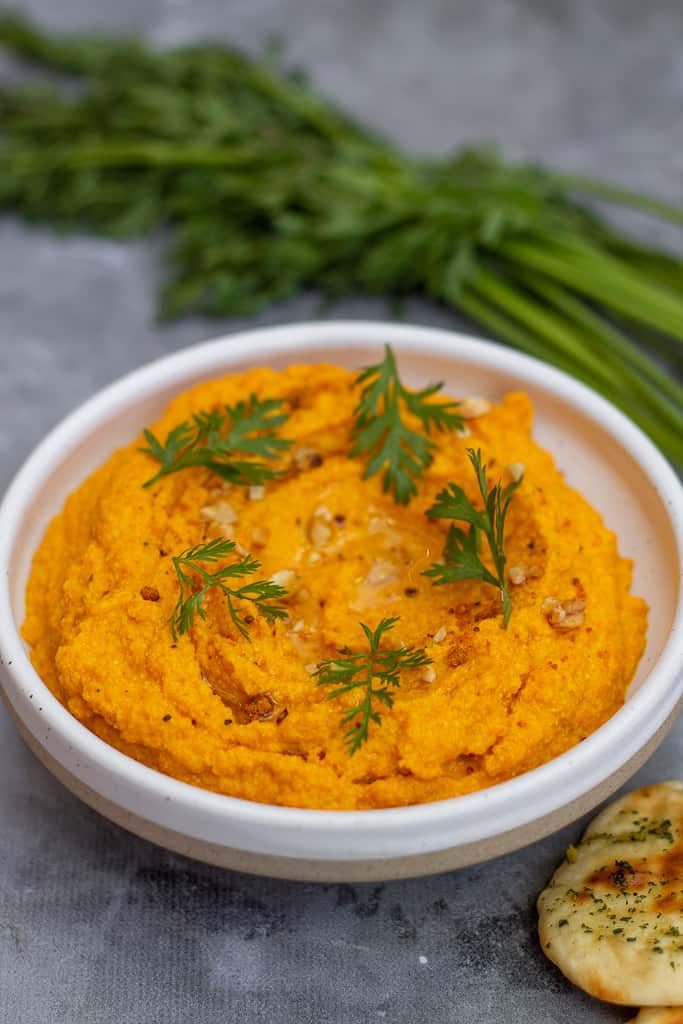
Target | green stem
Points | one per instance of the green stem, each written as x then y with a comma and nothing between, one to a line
623,196
78,55
541,320
613,345
482,308
127,154
484,313
596,274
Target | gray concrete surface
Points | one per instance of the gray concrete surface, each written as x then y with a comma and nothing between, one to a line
97,927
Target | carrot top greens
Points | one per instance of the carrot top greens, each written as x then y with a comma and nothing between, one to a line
195,580
213,438
381,432
265,189
462,552
370,675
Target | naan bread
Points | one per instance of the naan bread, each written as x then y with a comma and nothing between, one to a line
659,1015
612,916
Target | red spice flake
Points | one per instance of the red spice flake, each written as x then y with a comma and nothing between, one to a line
149,594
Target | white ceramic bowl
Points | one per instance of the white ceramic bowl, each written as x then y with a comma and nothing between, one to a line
601,452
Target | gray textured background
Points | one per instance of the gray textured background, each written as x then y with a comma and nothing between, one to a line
97,926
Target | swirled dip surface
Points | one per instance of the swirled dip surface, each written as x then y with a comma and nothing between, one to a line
246,718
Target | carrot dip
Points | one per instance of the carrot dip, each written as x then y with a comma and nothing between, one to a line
244,714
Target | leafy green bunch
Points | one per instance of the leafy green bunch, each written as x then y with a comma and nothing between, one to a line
268,189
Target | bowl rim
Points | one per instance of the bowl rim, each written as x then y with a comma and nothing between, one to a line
478,815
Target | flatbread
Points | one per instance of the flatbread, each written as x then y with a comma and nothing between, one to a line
659,1015
612,916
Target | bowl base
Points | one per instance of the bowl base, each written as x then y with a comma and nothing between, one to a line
377,870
